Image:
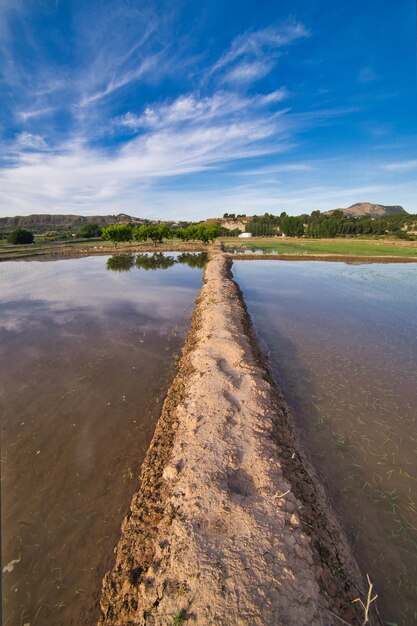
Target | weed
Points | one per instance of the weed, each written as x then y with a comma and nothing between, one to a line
179,618
367,604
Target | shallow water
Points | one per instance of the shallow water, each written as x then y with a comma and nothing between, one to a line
343,348
87,355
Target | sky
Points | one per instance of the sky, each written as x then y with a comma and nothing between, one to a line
189,109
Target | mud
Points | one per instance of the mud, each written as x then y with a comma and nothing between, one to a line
230,524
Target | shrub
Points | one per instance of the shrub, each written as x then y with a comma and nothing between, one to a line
20,235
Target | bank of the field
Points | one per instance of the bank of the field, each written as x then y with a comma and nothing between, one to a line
229,525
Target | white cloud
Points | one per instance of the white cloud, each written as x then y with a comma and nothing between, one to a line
121,79
30,114
257,43
276,169
253,54
276,96
33,142
401,166
191,108
248,72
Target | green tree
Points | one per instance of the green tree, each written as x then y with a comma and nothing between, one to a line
199,232
156,232
207,232
89,230
20,235
118,233
292,226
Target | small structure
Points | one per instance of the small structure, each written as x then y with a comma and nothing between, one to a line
245,235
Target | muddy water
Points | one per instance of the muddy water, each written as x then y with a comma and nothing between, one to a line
343,347
87,355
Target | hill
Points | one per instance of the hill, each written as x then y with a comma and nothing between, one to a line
373,210
51,222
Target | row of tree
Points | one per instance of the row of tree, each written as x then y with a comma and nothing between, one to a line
315,225
118,233
324,225
233,216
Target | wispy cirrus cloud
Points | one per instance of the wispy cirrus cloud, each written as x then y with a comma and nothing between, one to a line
277,169
117,105
33,142
400,166
192,108
33,113
120,79
253,54
191,134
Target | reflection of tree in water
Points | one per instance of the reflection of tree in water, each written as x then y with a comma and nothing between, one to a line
121,262
193,260
156,261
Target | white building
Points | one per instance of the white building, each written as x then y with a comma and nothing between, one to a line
245,235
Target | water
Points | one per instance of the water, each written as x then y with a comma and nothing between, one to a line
86,357
343,348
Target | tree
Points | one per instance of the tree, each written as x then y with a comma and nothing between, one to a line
117,233
89,230
292,226
207,232
263,225
20,235
156,232
202,232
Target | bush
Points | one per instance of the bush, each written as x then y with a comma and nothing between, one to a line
89,230
20,235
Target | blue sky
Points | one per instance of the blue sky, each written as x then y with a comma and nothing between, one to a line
187,109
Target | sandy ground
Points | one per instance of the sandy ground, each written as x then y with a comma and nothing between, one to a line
229,525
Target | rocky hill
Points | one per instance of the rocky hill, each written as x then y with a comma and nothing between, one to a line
373,210
52,222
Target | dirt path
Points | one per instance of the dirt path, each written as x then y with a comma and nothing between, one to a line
229,525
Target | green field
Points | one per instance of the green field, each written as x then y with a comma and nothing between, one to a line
348,247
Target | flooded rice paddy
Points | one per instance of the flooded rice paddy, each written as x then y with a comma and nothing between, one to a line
343,347
88,351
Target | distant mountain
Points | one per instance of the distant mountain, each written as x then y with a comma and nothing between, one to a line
51,222
373,210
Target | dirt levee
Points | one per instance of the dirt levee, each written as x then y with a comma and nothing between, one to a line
217,532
